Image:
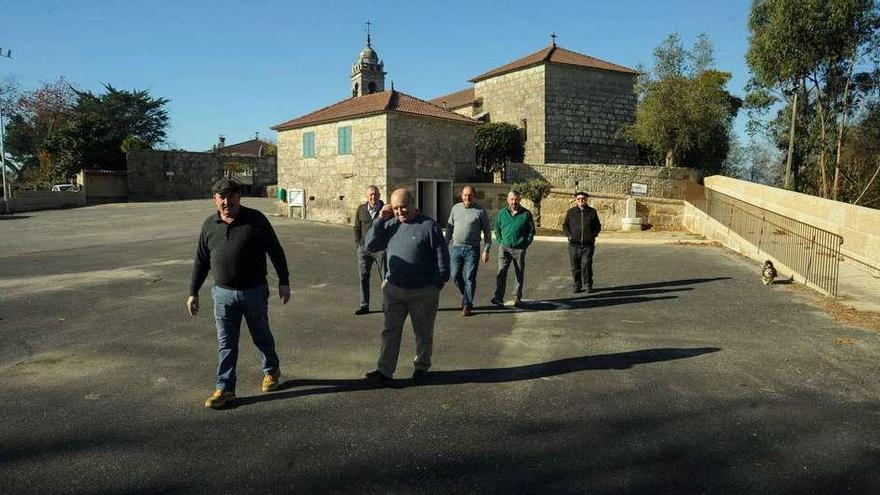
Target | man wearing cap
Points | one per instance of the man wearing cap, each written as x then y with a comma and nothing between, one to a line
234,242
581,226
364,216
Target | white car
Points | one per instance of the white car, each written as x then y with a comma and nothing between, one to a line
65,187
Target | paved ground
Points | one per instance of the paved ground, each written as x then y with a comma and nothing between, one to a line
683,374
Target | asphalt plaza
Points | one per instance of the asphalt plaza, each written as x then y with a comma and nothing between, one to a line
681,374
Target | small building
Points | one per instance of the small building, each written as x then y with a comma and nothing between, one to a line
570,106
386,138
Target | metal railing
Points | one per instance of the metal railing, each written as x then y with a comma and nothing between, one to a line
810,251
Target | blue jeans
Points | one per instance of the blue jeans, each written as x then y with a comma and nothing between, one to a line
229,306
464,262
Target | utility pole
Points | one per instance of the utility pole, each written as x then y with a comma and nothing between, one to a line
6,190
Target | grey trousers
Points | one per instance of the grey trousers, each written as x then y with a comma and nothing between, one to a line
506,256
421,306
365,266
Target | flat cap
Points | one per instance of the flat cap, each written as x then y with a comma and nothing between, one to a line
226,185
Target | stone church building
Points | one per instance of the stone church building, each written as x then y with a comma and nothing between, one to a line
569,106
377,136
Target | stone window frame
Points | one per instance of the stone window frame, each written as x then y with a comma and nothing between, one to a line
343,145
308,144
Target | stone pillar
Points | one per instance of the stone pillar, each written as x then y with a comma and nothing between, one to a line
630,222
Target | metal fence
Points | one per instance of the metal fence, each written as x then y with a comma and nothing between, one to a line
810,251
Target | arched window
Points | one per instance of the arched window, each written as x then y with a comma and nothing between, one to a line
372,87
354,91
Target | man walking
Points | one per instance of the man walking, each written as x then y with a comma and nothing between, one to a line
466,221
364,217
234,242
418,266
581,226
514,232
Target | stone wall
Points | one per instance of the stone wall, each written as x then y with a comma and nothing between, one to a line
171,175
585,110
662,182
656,213
426,148
45,200
334,184
859,226
513,97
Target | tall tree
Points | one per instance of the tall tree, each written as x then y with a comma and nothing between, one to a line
684,113
811,50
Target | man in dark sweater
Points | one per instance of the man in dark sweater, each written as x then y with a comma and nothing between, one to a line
364,216
418,266
234,242
581,226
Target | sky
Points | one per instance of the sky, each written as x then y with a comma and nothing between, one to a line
237,67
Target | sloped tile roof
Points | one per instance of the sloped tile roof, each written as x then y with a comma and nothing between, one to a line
374,104
455,100
556,55
254,147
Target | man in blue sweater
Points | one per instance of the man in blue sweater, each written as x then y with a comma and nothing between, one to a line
418,266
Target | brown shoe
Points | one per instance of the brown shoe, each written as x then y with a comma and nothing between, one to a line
219,399
270,381
466,311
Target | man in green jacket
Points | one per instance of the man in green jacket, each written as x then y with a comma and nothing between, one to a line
514,232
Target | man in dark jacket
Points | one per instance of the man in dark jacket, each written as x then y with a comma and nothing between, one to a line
233,244
581,226
364,217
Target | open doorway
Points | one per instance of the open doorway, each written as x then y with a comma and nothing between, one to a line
434,198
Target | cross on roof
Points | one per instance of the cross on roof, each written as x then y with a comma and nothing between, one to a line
368,31
553,36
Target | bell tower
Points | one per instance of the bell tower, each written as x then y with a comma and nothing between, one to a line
368,71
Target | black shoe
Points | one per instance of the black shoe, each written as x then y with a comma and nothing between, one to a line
379,377
498,304
590,289
518,304
419,376
363,310
577,290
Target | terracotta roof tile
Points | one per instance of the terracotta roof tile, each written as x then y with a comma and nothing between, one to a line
455,100
254,147
374,104
556,55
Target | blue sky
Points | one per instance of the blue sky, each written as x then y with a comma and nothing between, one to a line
236,67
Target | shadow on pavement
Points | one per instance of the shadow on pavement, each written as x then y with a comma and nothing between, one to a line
13,217
617,361
685,281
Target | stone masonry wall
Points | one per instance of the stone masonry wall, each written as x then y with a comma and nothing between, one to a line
171,175
662,182
585,110
426,148
656,213
334,184
513,97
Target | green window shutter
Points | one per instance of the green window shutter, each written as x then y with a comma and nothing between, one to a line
344,135
308,145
